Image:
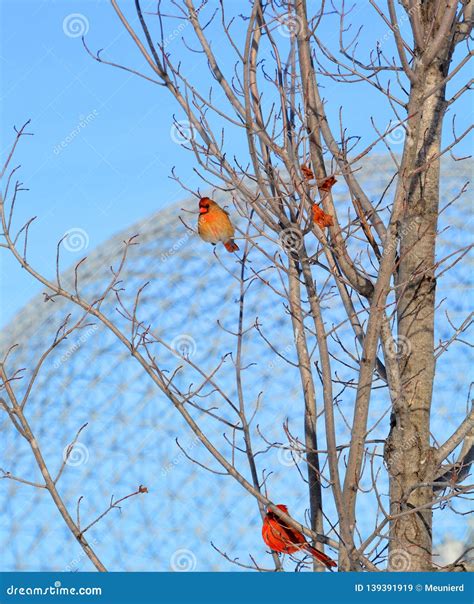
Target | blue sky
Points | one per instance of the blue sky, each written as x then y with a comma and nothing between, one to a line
101,154
100,160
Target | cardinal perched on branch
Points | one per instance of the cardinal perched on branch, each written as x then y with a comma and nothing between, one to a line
214,225
284,539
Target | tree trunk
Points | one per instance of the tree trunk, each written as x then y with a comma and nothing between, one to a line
408,453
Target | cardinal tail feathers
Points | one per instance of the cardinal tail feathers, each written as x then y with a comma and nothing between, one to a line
231,246
329,562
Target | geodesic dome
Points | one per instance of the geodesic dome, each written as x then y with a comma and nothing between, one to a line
130,439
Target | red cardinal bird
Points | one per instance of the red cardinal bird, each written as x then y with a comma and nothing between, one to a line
214,224
284,539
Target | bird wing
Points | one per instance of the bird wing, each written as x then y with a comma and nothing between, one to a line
281,538
292,535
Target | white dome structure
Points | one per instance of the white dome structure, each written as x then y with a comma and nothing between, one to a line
191,301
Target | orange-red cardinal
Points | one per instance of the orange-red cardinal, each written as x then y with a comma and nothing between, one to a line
283,538
214,225
321,218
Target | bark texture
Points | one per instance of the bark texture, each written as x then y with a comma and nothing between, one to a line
409,456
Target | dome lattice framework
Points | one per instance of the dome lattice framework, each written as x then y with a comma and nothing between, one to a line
131,432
